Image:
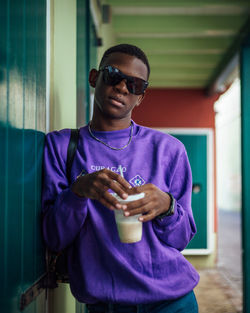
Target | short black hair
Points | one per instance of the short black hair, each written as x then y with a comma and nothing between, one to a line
127,49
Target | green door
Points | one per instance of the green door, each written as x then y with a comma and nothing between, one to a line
22,127
197,150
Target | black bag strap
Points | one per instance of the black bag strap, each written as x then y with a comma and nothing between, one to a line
71,151
51,277
53,258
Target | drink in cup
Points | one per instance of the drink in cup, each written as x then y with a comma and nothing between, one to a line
129,227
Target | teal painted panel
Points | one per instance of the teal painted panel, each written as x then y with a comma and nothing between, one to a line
245,131
22,127
93,44
196,146
86,59
80,308
82,63
22,245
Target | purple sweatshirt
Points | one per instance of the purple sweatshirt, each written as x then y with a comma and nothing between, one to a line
101,268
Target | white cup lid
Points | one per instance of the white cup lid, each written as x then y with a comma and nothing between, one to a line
130,198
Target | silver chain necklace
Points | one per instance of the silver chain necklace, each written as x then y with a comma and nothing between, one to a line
107,145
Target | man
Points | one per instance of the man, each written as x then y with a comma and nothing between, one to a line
110,276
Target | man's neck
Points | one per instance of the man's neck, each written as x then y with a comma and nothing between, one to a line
109,124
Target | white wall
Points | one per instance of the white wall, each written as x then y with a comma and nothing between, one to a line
63,64
228,146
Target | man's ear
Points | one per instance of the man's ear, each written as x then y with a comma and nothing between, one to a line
93,75
140,98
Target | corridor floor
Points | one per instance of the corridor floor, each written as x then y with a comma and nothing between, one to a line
220,290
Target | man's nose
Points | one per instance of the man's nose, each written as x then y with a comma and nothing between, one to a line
122,87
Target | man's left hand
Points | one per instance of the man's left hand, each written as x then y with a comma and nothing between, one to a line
153,204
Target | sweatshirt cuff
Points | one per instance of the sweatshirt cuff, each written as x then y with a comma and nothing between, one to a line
167,220
170,210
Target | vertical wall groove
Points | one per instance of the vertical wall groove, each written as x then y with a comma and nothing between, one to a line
5,226
36,158
22,127
23,143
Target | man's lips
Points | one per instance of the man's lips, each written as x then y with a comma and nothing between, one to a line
116,101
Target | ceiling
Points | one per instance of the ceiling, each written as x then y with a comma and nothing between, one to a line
190,44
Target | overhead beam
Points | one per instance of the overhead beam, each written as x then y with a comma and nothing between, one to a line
184,10
183,46
174,24
194,59
229,61
177,84
225,79
178,74
174,3
180,35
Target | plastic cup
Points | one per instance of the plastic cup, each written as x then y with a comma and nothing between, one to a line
129,227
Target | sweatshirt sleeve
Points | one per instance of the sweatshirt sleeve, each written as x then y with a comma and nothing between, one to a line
178,229
63,212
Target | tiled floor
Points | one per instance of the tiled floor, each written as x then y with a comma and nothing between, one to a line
229,248
215,295
220,288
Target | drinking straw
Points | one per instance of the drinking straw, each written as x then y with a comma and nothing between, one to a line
121,171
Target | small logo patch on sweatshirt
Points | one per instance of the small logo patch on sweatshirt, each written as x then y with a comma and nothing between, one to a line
137,181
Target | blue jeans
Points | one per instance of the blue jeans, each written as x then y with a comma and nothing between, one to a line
185,304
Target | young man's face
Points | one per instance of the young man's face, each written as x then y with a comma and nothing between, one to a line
116,101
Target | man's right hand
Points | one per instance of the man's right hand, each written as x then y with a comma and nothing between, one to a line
96,185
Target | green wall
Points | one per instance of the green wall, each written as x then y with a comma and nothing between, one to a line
22,126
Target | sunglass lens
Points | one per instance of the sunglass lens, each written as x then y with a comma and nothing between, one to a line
131,85
111,77
136,85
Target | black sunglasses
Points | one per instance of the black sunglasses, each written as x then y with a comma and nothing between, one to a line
112,76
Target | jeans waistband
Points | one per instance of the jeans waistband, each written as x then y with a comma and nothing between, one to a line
101,307
184,304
